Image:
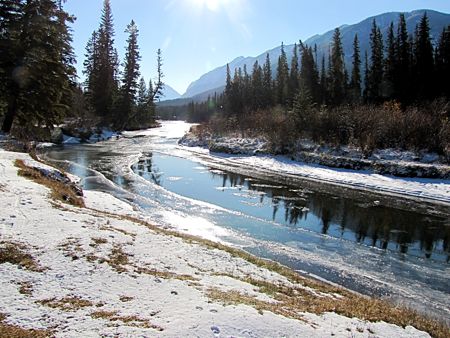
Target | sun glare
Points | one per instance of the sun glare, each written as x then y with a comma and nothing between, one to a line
212,5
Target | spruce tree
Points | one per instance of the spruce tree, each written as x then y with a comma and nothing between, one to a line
267,82
11,51
129,88
44,72
105,92
323,82
293,76
337,72
376,64
390,64
282,79
443,63
257,95
402,80
309,76
424,63
355,81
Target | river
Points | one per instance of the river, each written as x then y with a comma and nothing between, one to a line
372,244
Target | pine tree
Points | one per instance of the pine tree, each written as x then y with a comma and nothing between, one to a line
129,88
323,82
293,76
366,78
355,81
402,80
44,72
11,12
376,64
424,63
282,79
390,64
309,76
257,86
337,72
267,82
443,63
105,92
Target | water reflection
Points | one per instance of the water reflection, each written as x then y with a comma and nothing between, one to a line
367,222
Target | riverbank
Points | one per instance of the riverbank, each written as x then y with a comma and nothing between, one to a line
253,154
102,270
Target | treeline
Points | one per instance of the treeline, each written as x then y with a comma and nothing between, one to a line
38,82
390,87
123,99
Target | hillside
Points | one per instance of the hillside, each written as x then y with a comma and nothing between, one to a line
216,77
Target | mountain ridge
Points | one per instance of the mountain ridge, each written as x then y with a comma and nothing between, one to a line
216,77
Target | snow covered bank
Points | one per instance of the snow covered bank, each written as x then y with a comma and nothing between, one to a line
373,180
103,272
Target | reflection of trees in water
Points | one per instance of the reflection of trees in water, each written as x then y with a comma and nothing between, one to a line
146,168
370,223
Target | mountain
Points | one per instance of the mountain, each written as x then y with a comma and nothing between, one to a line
182,101
216,78
169,93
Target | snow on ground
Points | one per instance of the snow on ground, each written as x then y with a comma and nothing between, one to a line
105,275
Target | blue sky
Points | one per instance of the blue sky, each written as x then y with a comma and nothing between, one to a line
199,35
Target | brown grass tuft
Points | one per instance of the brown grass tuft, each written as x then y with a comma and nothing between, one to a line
68,303
14,331
15,253
59,190
134,320
26,288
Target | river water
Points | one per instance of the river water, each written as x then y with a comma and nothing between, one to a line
376,246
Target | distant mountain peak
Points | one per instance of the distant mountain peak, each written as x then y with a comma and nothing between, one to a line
216,78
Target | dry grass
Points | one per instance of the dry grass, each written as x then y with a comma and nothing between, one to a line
133,320
118,259
13,331
165,274
68,303
126,298
15,253
25,288
59,191
97,241
350,304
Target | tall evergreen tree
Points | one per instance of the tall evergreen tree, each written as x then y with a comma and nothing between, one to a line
309,76
424,63
376,64
11,12
336,76
323,82
390,64
129,88
257,96
282,79
443,63
366,78
355,81
402,80
43,74
267,82
293,76
105,93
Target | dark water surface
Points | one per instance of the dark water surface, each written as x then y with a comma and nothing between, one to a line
362,242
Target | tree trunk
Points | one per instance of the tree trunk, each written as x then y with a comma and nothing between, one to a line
10,115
